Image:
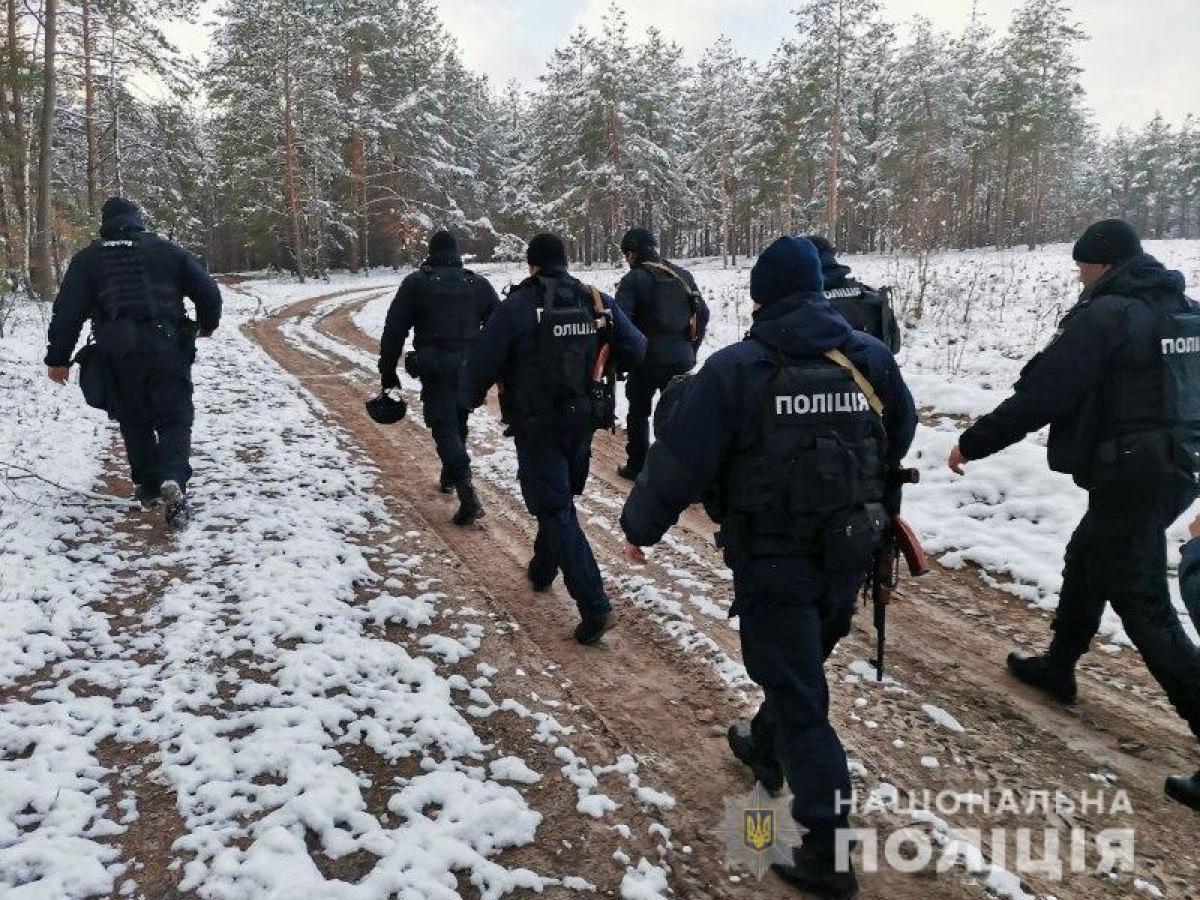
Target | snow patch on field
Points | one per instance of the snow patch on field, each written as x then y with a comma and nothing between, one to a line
245,663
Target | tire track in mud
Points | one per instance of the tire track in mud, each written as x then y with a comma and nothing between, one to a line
940,652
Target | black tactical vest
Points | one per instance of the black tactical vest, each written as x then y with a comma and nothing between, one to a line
1154,409
807,476
552,386
448,316
125,292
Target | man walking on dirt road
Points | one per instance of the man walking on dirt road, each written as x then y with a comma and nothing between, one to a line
662,300
546,346
796,427
131,284
1119,386
444,305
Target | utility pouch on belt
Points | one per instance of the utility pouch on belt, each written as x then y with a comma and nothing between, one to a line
95,379
188,332
411,365
849,541
434,363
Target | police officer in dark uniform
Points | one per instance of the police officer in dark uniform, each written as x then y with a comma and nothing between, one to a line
864,307
444,305
543,346
662,300
131,284
1119,386
788,436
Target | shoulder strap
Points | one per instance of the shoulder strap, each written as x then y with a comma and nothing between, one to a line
837,357
662,267
597,300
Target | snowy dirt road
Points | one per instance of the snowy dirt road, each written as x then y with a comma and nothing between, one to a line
326,690
663,686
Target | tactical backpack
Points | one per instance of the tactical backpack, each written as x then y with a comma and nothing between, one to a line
808,476
676,308
446,322
868,311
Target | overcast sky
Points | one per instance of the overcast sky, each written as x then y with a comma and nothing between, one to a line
1142,55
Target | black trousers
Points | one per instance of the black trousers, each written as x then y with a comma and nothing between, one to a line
447,422
640,389
553,469
155,411
1118,556
792,615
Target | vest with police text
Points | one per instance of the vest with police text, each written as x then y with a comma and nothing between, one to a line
553,385
811,459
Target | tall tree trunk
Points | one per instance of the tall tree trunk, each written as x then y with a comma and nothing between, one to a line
358,199
44,278
835,130
290,163
115,104
18,147
790,190
89,106
356,151
1035,203
1004,231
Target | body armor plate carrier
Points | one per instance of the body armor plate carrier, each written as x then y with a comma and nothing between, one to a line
125,290
447,322
1151,415
807,477
555,387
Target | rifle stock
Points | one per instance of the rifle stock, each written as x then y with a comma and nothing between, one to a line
901,540
910,547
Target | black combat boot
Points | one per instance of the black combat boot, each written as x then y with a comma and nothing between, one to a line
540,575
629,471
1047,673
147,497
469,508
765,767
592,628
1185,790
445,485
814,871
177,514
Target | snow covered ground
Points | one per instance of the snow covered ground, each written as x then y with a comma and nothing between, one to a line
985,313
302,604
275,605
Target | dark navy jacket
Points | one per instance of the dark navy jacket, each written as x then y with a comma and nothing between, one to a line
405,313
696,439
511,334
635,293
173,272
1109,330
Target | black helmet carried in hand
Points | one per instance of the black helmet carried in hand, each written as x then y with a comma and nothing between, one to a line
386,409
